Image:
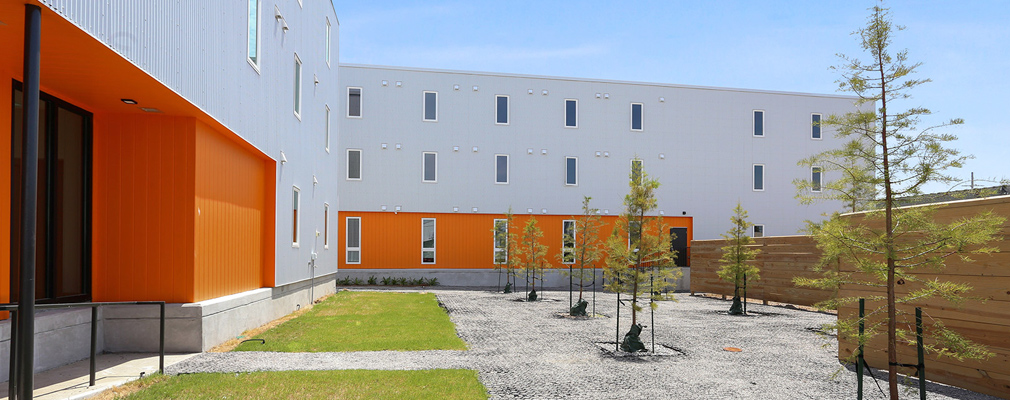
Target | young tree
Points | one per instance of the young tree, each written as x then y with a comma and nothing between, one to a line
533,254
639,259
580,251
504,248
888,246
737,257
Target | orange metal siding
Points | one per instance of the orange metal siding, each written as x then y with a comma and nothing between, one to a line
142,230
231,214
391,240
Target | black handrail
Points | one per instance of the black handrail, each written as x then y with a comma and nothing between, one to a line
14,370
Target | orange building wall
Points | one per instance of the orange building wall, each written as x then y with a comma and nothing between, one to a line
231,230
391,240
143,206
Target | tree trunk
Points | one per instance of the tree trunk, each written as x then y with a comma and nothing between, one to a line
892,350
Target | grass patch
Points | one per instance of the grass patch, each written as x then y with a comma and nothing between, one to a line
440,384
364,321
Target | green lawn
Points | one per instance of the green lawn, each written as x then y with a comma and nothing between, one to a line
361,321
439,384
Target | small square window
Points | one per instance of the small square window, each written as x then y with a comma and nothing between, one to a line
571,113
501,169
815,126
431,106
429,168
759,231
571,171
354,102
501,109
636,116
353,164
759,177
759,123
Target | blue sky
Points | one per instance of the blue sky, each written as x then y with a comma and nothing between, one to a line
771,45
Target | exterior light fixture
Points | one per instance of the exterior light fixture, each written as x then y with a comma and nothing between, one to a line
606,95
543,210
455,87
455,148
544,92
662,99
397,208
399,84
383,146
474,149
597,95
475,88
662,156
606,211
661,212
314,180
597,154
530,91
529,210
129,101
455,209
284,159
383,208
529,151
474,209
398,146
683,213
606,154
385,83
543,152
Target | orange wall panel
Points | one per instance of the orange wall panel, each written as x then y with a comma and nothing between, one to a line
231,216
462,240
143,202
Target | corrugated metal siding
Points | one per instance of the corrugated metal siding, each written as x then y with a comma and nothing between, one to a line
198,49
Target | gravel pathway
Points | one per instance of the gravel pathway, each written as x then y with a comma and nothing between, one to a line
532,351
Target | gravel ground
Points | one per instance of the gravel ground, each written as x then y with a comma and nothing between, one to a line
533,351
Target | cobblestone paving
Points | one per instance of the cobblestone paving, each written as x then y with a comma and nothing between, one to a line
532,351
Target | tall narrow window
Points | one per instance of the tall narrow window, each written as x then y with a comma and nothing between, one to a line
571,171
759,123
327,128
427,241
636,170
294,215
253,42
353,164
353,234
326,226
431,106
501,110
501,168
759,231
353,102
298,87
815,126
568,241
327,41
636,116
759,177
430,170
501,227
815,179
571,113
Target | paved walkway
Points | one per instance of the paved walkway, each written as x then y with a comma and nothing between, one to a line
71,381
532,351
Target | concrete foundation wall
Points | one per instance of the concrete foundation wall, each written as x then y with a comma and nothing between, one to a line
61,337
554,279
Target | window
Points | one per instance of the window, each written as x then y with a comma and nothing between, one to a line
326,226
353,102
568,241
427,241
815,126
353,164
759,177
501,110
353,234
327,42
759,123
815,179
501,168
501,227
430,170
571,171
636,116
298,87
327,128
636,170
294,215
759,231
253,40
571,113
431,106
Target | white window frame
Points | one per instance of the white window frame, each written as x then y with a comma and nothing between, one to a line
347,235
754,230
298,88
576,170
347,173
259,26
817,185
328,41
494,244
326,226
753,174
361,102
327,128
508,109
820,126
296,207
508,167
576,126
424,106
632,166
753,123
422,166
631,115
564,249
434,236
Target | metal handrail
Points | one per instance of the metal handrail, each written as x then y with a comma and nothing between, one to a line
14,369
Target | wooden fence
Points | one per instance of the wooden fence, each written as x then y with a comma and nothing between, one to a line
781,259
